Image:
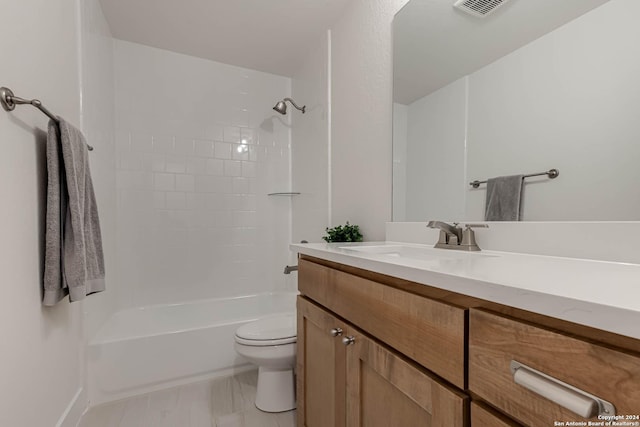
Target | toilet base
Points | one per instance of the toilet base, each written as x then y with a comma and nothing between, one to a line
276,390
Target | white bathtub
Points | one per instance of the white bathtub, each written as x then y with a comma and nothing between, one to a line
148,348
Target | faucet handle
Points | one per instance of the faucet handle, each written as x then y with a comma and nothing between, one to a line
469,237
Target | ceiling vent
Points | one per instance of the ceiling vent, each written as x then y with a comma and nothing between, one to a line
479,8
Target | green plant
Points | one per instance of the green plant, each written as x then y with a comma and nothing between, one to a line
343,233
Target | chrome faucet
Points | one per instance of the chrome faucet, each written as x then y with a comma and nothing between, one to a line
289,268
454,237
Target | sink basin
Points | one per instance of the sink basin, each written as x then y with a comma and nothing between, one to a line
416,252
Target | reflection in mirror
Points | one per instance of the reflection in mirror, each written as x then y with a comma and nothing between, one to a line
539,84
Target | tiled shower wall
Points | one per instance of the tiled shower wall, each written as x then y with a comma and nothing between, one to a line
198,148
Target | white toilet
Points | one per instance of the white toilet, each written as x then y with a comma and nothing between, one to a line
270,343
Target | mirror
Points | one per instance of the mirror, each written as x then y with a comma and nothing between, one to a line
535,85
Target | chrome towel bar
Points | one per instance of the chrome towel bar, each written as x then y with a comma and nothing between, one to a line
9,102
551,173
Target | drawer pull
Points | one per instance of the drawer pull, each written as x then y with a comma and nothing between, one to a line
335,332
578,401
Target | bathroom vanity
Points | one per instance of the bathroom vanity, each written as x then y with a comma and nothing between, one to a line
401,335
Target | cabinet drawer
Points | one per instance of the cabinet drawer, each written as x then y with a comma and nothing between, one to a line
585,369
430,332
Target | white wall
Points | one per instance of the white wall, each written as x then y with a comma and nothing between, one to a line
361,116
194,219
310,145
41,360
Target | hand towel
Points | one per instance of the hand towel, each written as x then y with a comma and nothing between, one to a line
504,195
74,261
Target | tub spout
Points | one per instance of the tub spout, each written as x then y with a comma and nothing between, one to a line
289,268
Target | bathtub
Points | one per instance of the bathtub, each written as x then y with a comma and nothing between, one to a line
144,349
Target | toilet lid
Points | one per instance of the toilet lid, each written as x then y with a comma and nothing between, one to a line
280,328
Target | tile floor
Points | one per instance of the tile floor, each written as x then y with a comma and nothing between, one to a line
223,402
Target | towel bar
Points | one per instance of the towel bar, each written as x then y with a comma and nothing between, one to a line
9,102
551,173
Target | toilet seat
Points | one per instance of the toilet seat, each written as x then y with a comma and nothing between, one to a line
274,330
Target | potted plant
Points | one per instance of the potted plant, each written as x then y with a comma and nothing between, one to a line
343,233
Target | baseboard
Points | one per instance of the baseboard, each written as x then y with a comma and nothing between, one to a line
163,385
71,416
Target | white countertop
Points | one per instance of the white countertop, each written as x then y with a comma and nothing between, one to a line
600,294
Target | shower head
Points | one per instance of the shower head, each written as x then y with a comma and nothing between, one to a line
281,106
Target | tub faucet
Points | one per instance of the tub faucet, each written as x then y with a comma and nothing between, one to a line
289,268
454,237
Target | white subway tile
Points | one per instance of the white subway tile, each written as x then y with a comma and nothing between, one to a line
158,200
158,162
164,181
243,235
213,184
131,160
232,168
123,141
240,185
141,142
175,200
222,150
244,219
176,164
214,132
203,148
196,201
248,136
133,180
196,166
215,167
184,146
240,152
248,169
185,183
163,144
220,218
232,134
240,117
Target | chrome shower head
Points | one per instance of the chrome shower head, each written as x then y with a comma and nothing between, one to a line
281,106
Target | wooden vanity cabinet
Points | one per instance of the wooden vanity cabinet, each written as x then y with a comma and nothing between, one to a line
375,378
427,357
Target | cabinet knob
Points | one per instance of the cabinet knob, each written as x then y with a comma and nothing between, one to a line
336,332
348,340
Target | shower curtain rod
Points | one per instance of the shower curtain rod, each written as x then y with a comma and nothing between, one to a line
9,102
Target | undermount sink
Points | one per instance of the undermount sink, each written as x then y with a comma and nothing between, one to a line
416,252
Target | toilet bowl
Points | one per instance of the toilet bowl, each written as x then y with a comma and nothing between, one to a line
270,343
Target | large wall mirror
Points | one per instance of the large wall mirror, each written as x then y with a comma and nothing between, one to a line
535,85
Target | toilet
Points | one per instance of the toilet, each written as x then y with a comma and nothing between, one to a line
270,343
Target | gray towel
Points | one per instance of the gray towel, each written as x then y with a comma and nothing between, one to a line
74,262
504,195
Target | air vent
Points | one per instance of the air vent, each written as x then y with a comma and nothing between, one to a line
479,8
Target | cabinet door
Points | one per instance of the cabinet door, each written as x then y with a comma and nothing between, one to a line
320,367
482,416
384,389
